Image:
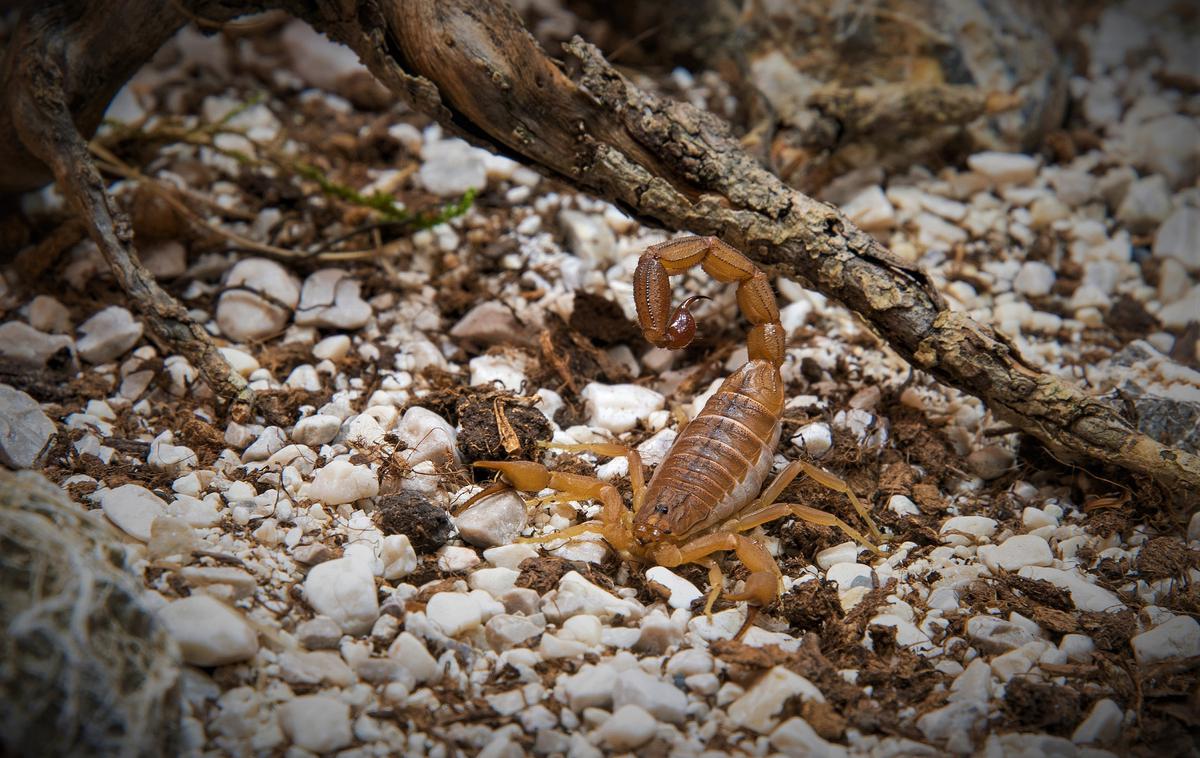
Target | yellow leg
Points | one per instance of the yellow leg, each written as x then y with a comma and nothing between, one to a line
805,513
778,485
826,479
637,474
765,582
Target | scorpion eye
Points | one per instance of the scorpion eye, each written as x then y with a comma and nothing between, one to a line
660,508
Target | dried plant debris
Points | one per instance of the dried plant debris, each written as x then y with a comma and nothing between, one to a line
405,305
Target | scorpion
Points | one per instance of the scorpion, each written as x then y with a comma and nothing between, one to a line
708,489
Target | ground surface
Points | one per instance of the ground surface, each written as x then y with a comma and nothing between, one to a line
472,308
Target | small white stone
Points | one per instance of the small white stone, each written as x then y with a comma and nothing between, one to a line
332,348
241,362
953,724
169,457
870,210
505,370
815,439
209,632
330,298
846,552
628,728
303,377
591,687
493,521
48,315
244,315
509,556
22,346
1179,238
494,581
1015,552
318,723
1177,638
451,167
660,699
344,590
1085,595
1077,647
577,595
1035,279
270,441
1183,311
1102,725
415,657
1004,168
454,612
1146,204
971,526
489,323
108,335
995,635
25,431
505,631
429,437
453,559
316,430
133,509
341,482
681,592
619,407
588,236
398,557
689,662
796,738
903,506
847,576
757,708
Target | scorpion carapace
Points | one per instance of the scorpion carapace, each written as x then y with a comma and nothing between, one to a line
708,490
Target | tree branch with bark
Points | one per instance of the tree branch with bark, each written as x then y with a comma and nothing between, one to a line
472,66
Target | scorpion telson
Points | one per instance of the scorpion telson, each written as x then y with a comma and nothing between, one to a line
708,490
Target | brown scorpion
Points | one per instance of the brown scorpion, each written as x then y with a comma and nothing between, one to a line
708,490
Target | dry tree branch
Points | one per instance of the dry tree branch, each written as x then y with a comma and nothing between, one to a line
471,65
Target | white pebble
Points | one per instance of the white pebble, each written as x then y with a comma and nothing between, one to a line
757,708
415,657
902,506
25,430
454,612
398,557
681,592
1179,238
660,699
1102,725
133,509
1004,168
815,439
318,723
493,521
1015,552
970,526
628,728
316,430
108,335
341,482
619,407
450,167
331,298
846,552
209,632
1174,639
344,590
244,315
429,437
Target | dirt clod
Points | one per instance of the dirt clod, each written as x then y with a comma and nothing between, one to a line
426,525
496,428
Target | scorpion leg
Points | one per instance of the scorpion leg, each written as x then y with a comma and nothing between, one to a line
765,580
614,522
637,474
836,484
805,513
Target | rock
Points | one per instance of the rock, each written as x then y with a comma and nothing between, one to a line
1015,552
166,456
1077,647
319,633
757,708
315,668
25,431
495,581
796,738
591,687
415,657
1085,595
1174,639
454,559
1179,238
1183,311
166,259
846,552
1168,145
398,557
619,407
1035,279
317,723
241,362
991,462
450,167
1146,204
969,529
1004,168
453,612
258,299
330,298
588,236
489,323
48,315
974,683
850,575
493,521
333,348
429,437
870,210
23,347
680,592
505,370
628,728
316,430
108,335
132,508
658,698
995,635
1102,725
270,441
902,506
815,439
509,556
954,724
505,631
209,632
577,595
344,590
341,482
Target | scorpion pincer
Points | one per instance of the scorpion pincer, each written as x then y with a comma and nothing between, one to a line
708,491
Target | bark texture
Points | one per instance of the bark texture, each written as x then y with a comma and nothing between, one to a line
472,65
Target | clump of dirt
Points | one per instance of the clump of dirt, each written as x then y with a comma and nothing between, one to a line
570,360
496,427
810,606
1032,705
602,321
1110,631
541,573
426,525
1165,557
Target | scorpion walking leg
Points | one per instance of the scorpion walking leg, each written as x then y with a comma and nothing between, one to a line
768,497
614,522
765,580
805,513
827,479
637,474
